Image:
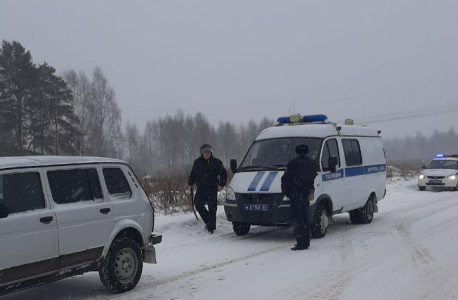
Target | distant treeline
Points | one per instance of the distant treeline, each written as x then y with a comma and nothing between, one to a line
42,113
421,147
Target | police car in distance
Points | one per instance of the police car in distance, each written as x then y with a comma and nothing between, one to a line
441,172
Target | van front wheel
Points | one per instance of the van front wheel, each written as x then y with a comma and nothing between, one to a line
122,268
320,222
241,228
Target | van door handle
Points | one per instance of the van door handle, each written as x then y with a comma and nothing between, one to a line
46,220
105,210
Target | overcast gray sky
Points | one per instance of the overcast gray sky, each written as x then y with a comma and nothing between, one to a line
241,59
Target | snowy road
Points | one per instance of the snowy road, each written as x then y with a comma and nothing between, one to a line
409,251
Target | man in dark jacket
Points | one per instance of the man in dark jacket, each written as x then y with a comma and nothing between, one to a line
297,184
209,174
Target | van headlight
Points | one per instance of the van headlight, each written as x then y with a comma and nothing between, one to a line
451,177
230,194
421,176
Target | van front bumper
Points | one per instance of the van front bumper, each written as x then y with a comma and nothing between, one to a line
279,215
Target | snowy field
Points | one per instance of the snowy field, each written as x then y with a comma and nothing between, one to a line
409,251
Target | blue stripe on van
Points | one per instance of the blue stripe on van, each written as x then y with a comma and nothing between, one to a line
268,182
254,183
374,169
354,171
332,176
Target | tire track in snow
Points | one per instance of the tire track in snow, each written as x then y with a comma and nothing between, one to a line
154,283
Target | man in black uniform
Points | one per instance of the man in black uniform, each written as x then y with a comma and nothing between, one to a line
297,184
209,174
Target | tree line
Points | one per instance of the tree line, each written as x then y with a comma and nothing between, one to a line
42,113
421,147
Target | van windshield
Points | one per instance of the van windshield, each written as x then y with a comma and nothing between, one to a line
276,153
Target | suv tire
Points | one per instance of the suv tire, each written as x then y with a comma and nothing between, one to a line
122,268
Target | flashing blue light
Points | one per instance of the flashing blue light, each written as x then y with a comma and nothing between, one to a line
284,120
314,118
440,155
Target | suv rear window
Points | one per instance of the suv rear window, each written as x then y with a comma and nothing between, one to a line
116,182
21,192
69,186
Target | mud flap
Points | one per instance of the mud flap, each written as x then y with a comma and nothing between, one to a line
149,255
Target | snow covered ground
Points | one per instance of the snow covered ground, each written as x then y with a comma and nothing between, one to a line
409,251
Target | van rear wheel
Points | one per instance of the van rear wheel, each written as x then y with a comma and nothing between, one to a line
365,214
241,228
320,222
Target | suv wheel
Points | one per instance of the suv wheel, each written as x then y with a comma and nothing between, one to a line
122,268
422,188
241,228
320,222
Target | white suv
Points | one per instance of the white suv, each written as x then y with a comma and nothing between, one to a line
441,172
64,216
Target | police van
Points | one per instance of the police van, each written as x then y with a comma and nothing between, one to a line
441,172
351,176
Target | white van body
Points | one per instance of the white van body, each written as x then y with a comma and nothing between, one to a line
254,194
64,216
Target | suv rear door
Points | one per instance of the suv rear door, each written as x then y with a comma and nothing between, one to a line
83,213
28,235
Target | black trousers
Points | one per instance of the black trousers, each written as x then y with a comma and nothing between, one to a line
209,198
300,208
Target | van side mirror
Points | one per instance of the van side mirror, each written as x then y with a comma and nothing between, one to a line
3,211
332,163
233,164
423,167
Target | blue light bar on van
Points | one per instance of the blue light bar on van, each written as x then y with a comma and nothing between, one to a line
314,118
305,119
440,155
284,120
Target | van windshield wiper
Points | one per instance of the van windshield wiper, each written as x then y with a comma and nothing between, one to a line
258,168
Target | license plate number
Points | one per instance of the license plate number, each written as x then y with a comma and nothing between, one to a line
435,181
256,207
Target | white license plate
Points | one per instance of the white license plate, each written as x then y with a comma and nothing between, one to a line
256,207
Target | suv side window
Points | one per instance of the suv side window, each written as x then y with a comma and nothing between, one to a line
21,192
352,152
116,182
69,186
330,148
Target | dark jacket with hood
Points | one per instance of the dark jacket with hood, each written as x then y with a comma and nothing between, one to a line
208,174
299,175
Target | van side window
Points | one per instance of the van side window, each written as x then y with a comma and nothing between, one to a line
352,152
21,192
330,148
116,182
69,186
